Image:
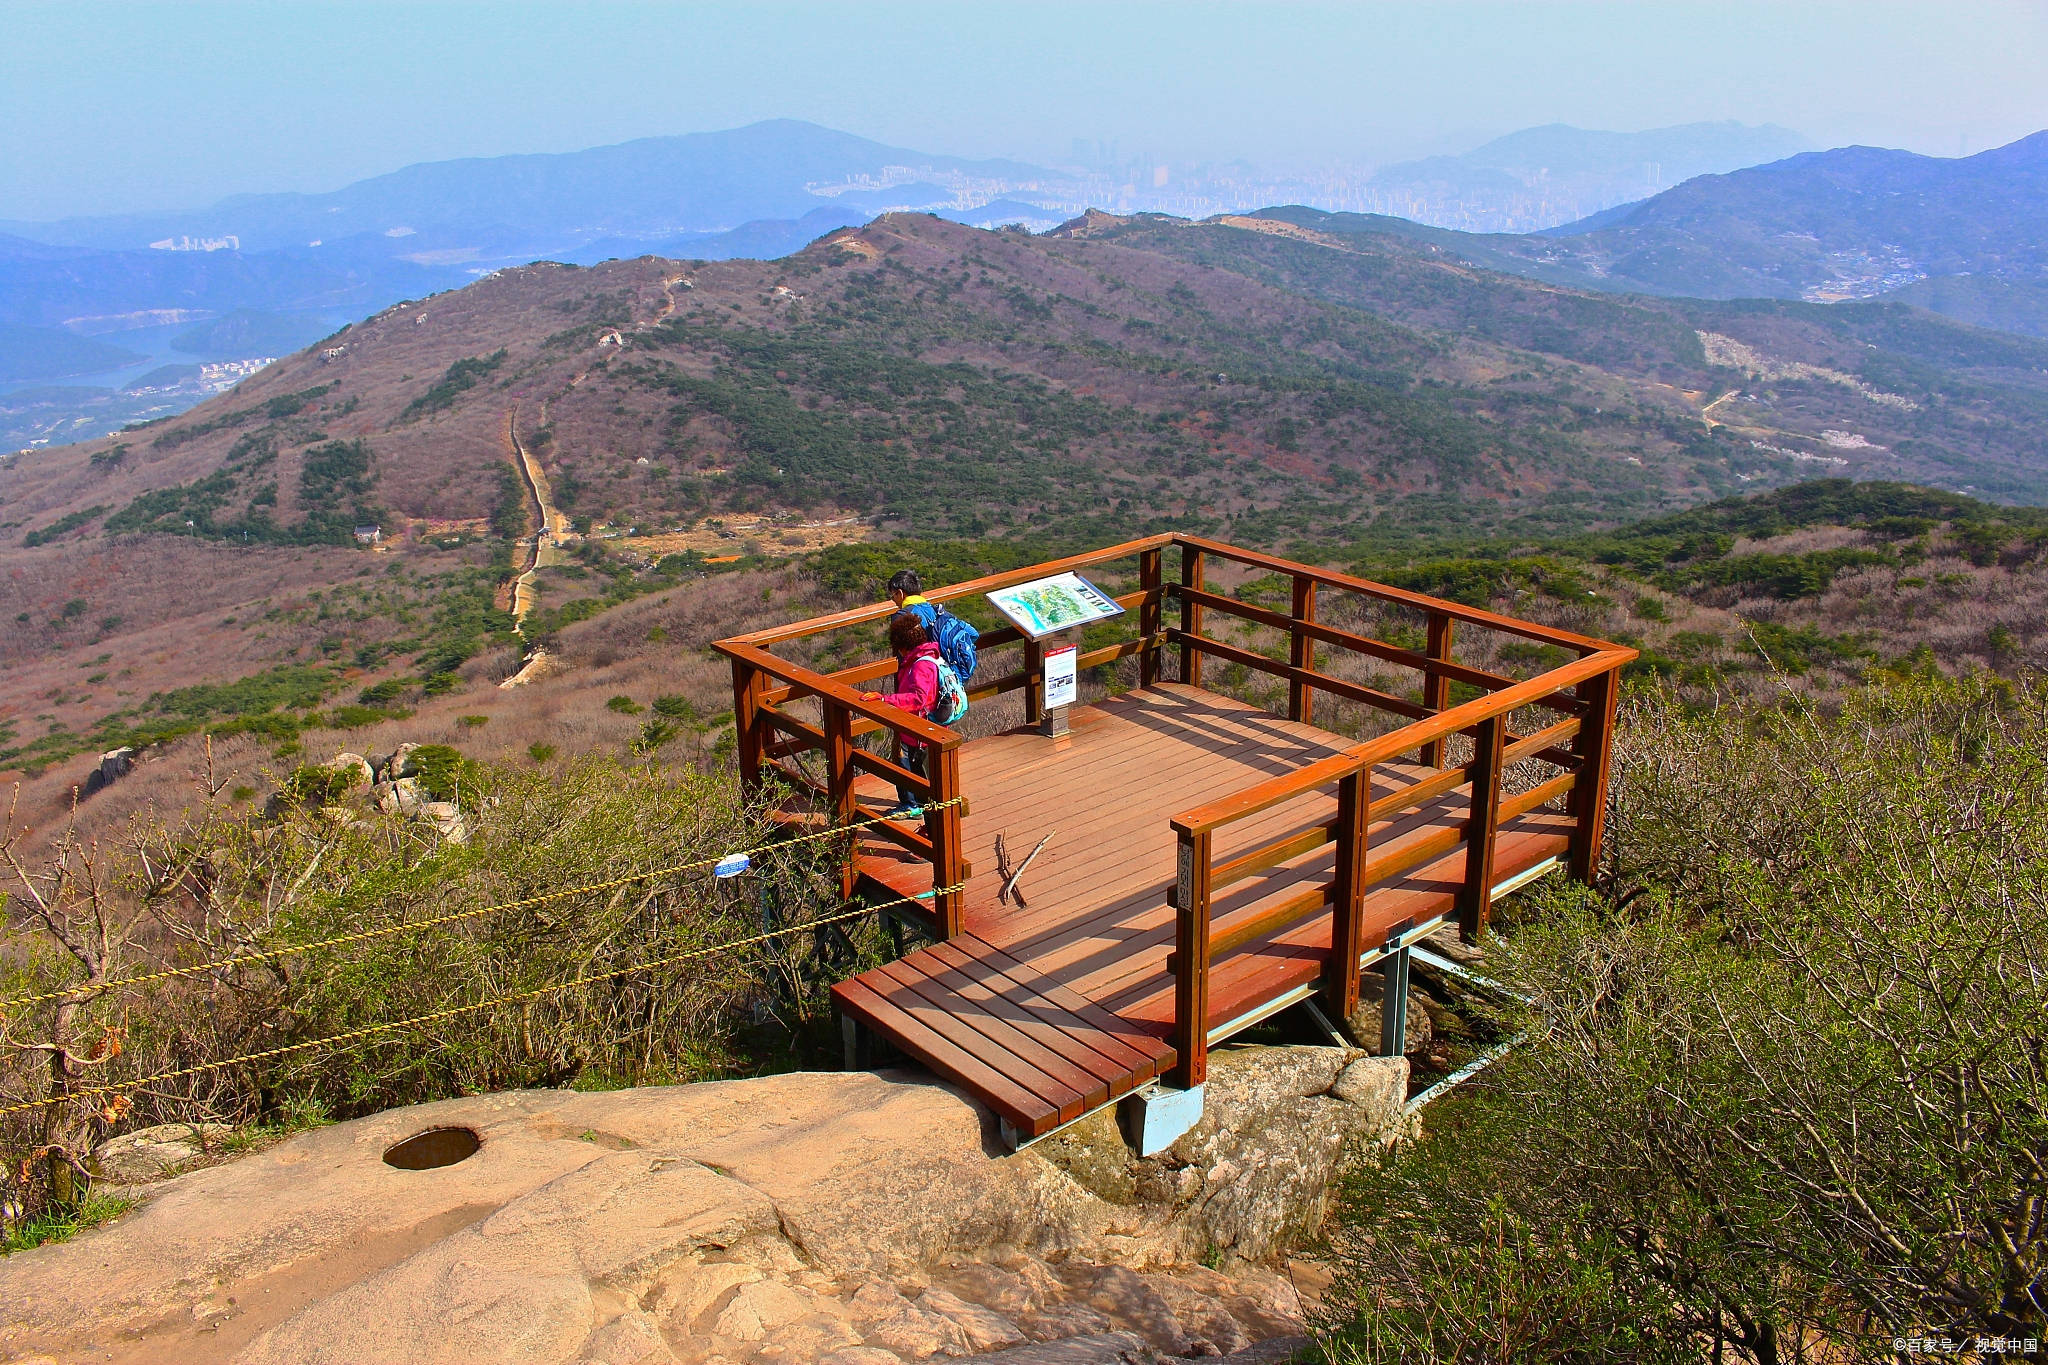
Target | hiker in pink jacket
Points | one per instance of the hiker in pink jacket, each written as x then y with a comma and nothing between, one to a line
917,691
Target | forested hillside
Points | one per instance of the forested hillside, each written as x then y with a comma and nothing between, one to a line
1310,383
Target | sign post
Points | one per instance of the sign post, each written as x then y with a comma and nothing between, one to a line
1050,612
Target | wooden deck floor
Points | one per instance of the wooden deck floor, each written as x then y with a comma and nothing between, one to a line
1048,1010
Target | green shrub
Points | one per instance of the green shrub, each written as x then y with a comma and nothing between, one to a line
1783,1078
313,785
61,1225
624,705
444,773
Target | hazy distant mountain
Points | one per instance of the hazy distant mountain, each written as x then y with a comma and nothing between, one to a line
98,291
493,207
1965,236
249,332
35,353
1540,177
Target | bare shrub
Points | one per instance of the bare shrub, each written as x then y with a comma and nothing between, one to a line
333,919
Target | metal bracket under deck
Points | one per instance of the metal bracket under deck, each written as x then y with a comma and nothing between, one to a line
1156,1112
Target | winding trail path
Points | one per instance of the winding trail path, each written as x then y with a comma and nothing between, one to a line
552,526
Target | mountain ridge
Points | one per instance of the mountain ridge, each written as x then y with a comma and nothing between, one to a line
1847,223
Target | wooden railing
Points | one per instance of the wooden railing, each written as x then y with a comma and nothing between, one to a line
1582,692
765,686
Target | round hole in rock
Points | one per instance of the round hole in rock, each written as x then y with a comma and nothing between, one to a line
433,1149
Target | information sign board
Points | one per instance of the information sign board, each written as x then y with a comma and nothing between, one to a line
1046,606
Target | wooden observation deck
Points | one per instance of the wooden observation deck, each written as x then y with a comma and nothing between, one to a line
1210,862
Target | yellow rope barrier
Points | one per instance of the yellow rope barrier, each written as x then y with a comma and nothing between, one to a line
455,1010
289,950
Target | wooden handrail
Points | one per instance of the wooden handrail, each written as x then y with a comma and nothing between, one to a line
1351,691
763,683
1345,639
1280,849
990,640
1373,752
817,625
817,684
1365,587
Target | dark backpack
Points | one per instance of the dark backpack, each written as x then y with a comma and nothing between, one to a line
959,642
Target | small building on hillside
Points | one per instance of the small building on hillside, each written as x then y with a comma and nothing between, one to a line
369,535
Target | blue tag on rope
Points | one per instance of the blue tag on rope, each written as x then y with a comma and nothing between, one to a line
731,865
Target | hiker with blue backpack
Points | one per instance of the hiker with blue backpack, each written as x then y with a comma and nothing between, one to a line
958,641
931,672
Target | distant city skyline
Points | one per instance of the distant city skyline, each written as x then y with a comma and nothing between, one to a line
150,106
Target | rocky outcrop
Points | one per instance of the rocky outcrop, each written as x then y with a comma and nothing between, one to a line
114,765
858,1219
1253,1173
1362,1025
145,1155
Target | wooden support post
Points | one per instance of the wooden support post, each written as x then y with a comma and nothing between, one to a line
1301,652
1148,618
853,1041
949,862
746,718
839,772
1588,800
1034,682
839,777
1190,618
1394,1004
1347,921
1436,688
1475,897
1191,973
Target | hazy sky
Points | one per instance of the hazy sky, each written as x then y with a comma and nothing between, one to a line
107,107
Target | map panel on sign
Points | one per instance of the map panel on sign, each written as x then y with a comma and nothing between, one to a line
1046,606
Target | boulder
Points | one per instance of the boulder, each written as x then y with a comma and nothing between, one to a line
1105,1348
1253,1173
862,1217
1378,1086
114,765
400,764
446,818
1362,1026
404,796
358,768
980,1329
631,1338
149,1154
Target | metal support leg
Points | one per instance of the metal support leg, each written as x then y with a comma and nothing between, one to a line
853,1040
1394,1005
1323,1025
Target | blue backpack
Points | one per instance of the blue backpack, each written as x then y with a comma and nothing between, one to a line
958,641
